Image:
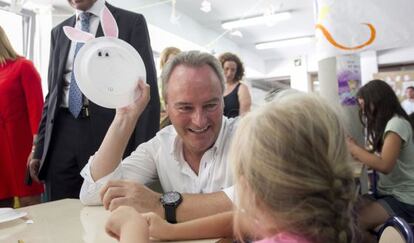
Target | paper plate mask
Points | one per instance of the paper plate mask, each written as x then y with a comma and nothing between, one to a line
107,69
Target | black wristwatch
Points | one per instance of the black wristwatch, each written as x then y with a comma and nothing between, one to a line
170,201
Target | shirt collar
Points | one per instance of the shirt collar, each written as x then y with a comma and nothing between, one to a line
96,9
219,141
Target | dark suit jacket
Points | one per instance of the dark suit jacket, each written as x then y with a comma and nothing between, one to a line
132,29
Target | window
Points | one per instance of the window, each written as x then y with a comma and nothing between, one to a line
19,28
13,26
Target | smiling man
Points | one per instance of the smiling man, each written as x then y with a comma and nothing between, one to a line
188,157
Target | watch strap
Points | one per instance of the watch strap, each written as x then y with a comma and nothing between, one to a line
170,214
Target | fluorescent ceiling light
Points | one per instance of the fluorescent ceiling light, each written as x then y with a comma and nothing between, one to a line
284,42
258,20
205,6
237,33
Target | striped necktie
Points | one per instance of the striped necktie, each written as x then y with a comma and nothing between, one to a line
75,95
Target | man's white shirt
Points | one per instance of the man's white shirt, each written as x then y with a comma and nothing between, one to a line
162,158
408,106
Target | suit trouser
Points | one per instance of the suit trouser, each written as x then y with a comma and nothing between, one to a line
73,142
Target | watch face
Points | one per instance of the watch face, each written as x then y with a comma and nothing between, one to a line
170,197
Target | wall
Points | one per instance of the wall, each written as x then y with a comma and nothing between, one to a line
188,34
369,64
165,33
397,55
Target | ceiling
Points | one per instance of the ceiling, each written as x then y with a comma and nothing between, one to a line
301,22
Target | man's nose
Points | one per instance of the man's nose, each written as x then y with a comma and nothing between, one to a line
199,118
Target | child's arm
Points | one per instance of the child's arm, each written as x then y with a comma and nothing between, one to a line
384,162
215,226
127,226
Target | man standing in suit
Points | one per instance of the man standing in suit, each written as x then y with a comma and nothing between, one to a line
68,136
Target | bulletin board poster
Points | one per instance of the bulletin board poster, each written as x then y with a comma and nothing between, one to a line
398,80
349,78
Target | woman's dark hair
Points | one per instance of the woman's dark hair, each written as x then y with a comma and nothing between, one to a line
228,56
380,105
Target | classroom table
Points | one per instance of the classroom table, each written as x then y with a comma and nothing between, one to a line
60,222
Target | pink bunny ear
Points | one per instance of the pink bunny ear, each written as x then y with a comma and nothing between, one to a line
109,26
77,35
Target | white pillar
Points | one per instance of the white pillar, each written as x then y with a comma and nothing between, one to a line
327,73
369,65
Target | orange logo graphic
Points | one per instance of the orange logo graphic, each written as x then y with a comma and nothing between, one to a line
331,40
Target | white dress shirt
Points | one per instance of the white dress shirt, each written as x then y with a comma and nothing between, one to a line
162,158
95,11
408,106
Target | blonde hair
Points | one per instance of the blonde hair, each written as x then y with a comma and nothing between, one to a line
290,156
6,50
166,53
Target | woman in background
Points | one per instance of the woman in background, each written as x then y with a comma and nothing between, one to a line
293,182
390,134
237,100
166,55
21,103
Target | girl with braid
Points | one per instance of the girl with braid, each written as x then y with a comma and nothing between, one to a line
292,179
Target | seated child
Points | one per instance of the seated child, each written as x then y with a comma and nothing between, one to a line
390,135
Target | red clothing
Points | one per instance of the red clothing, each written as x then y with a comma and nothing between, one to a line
21,104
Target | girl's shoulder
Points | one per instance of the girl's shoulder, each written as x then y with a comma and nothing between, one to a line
398,121
400,126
